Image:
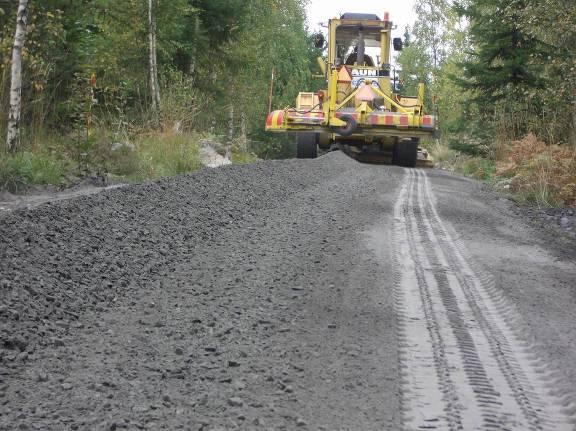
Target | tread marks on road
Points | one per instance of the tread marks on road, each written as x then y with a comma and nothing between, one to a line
428,394
462,365
497,353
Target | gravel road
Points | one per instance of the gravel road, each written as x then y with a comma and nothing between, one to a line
305,294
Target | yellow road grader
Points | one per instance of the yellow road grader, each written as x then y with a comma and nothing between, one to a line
359,113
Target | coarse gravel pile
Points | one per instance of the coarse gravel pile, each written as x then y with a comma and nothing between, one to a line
237,298
62,259
255,297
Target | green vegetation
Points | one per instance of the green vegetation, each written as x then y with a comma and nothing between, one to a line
499,73
18,171
155,156
541,173
502,74
214,58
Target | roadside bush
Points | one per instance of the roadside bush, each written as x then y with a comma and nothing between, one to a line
141,157
540,173
167,155
181,102
448,158
243,158
123,160
20,170
469,146
478,167
439,151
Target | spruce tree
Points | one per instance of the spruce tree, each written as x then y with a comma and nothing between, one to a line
503,62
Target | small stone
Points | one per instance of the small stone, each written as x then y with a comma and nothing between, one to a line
42,377
564,222
179,351
22,356
66,386
58,342
301,422
233,363
166,398
17,343
239,384
235,402
140,409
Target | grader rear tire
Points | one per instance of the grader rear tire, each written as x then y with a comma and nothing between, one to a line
406,153
306,146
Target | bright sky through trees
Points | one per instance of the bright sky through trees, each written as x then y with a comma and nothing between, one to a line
401,11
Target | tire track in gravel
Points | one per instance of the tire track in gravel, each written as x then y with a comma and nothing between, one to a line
462,364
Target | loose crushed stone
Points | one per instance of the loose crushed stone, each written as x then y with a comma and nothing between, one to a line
247,297
239,298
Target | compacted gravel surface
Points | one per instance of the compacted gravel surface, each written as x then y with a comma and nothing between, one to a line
279,296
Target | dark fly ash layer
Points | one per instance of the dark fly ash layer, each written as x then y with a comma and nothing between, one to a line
463,365
265,297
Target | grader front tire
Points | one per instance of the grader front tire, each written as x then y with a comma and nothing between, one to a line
306,146
406,153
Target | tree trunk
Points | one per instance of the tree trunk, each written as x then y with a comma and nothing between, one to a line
230,131
574,122
154,86
192,69
244,135
13,136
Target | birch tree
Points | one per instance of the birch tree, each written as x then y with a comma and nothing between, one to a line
13,136
153,58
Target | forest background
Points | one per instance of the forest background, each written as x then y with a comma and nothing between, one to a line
500,74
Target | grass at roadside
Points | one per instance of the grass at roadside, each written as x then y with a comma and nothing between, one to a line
453,160
64,160
154,156
540,173
243,157
19,171
536,173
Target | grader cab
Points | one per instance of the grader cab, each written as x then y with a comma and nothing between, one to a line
359,112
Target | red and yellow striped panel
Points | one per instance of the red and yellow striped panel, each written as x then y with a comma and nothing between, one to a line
428,121
389,119
275,120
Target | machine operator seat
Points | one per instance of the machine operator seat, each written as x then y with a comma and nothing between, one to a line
351,60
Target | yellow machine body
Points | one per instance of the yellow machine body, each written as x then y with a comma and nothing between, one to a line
359,111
